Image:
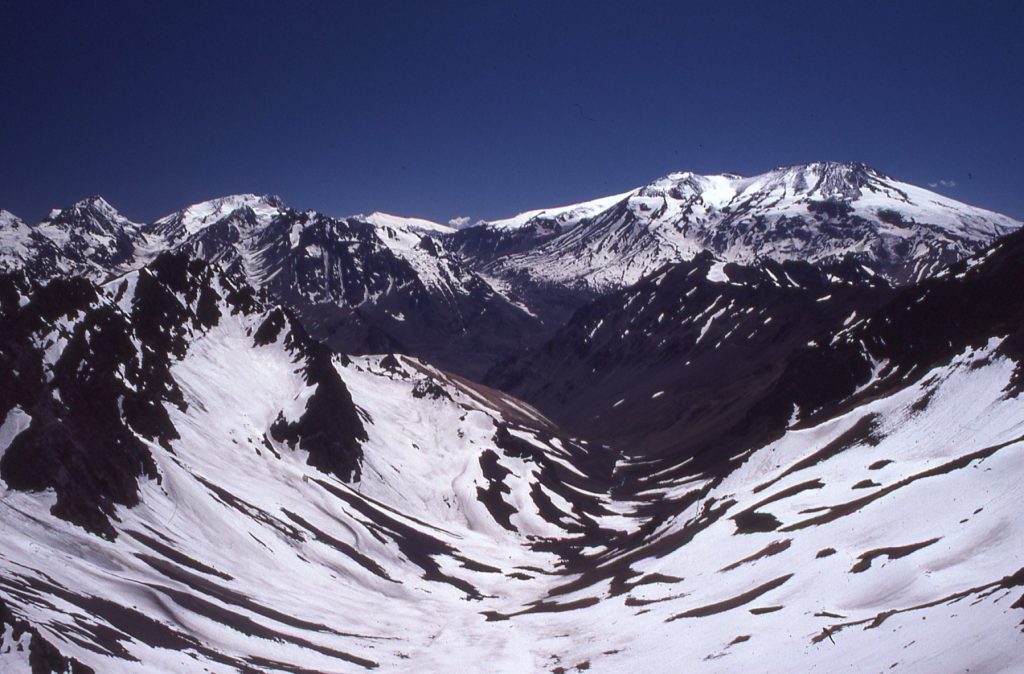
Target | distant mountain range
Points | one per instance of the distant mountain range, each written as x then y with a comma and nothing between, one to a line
820,212
363,284
711,424
467,299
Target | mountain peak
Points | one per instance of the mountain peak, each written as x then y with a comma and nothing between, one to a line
830,166
100,207
201,215
832,179
835,173
232,202
818,211
93,213
401,222
8,219
96,202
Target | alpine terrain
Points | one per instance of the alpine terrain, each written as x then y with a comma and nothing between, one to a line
713,424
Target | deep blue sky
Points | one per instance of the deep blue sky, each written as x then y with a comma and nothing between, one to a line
442,109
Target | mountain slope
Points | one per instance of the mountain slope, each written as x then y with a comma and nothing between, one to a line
265,471
365,284
669,360
881,538
90,238
362,285
859,516
874,526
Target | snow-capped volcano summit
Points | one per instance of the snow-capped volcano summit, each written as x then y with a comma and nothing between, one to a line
823,211
826,189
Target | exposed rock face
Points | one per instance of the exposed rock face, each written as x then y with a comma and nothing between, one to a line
667,363
89,374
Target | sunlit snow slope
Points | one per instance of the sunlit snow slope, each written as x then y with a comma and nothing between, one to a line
191,482
263,504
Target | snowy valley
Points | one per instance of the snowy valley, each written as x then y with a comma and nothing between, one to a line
714,424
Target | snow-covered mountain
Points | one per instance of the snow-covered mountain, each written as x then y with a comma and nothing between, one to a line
171,425
785,438
824,211
364,284
191,482
90,238
467,299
